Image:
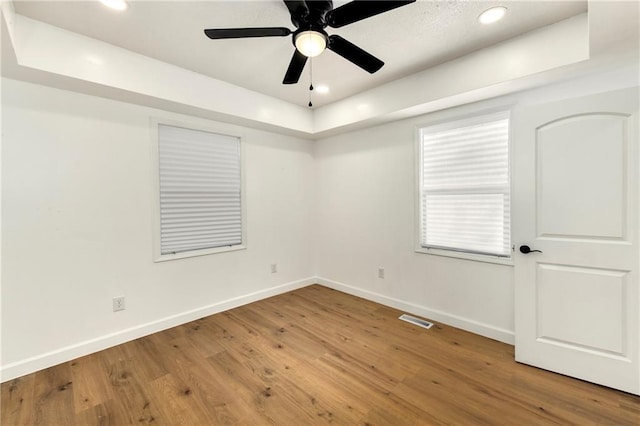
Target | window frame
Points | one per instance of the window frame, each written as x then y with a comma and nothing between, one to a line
451,121
155,171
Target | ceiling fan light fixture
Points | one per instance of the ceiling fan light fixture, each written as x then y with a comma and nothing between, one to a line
311,43
492,15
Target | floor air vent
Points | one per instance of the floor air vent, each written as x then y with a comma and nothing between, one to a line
417,321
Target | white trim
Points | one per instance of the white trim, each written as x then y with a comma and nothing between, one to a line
154,122
193,253
49,359
482,329
476,257
68,353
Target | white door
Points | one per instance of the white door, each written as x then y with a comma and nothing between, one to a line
575,171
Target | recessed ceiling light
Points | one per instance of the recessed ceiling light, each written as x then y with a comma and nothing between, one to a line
115,4
492,15
322,89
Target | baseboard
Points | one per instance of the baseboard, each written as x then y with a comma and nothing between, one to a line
486,330
49,359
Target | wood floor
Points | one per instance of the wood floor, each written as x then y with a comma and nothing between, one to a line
312,356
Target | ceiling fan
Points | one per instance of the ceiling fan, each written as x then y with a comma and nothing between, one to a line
311,17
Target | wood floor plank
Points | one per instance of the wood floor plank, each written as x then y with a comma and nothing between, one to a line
200,335
202,384
18,401
312,356
132,401
91,388
296,381
54,402
250,392
97,415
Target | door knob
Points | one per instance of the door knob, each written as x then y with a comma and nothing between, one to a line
526,249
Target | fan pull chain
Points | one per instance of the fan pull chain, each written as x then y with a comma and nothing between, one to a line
310,80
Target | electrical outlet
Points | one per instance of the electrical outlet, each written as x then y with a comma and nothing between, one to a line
380,272
274,268
118,304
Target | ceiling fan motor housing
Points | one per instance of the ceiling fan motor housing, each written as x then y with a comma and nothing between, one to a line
309,15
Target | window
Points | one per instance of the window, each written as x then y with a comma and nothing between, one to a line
200,192
464,186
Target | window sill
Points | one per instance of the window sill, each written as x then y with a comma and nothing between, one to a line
195,253
507,261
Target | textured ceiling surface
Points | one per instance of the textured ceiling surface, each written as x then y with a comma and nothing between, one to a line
409,39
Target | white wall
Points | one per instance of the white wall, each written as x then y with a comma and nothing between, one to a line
77,226
365,220
365,208
78,229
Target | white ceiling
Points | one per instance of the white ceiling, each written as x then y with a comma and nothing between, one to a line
409,39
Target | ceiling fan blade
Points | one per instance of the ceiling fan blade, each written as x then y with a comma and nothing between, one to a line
296,66
358,10
353,53
247,32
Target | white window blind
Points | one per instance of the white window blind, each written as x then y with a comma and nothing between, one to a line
200,183
464,188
